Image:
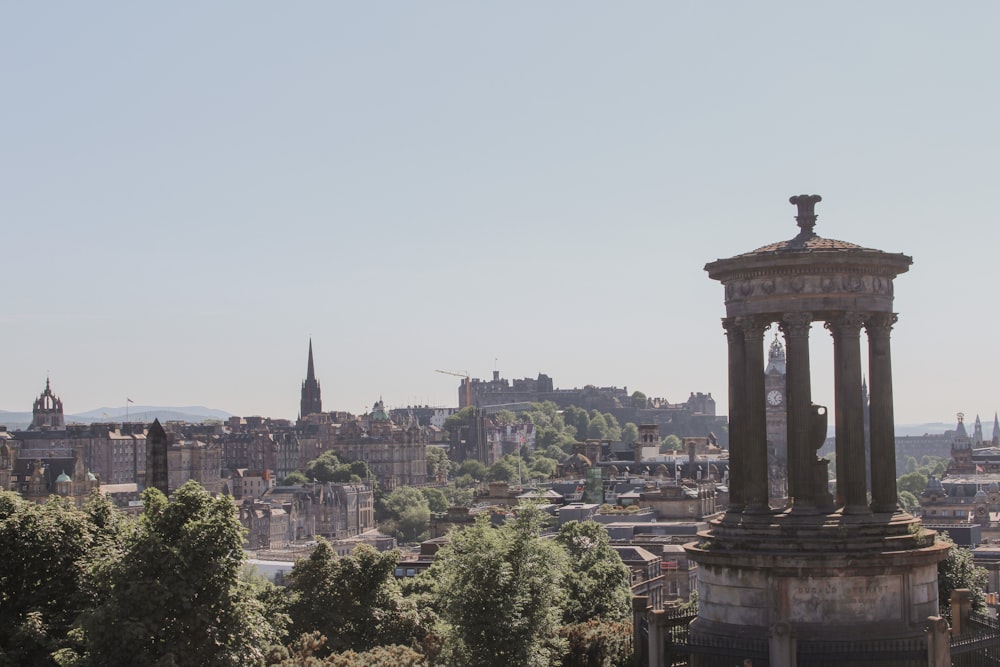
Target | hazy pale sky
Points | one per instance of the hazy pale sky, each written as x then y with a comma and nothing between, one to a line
188,191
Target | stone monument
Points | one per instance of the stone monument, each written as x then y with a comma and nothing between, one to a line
826,566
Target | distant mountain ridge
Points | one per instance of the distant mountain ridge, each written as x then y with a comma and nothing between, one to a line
139,413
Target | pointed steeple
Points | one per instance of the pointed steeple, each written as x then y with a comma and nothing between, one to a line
977,432
311,403
996,431
311,370
960,431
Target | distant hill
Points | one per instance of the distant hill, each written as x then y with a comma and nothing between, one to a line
932,428
140,413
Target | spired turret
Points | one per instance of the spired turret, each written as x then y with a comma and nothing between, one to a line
825,566
47,412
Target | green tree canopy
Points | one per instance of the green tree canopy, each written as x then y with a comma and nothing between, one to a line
598,426
460,419
959,571
475,469
639,400
670,443
295,478
175,596
45,551
327,467
354,601
914,482
598,582
437,461
408,513
437,501
630,433
908,501
515,574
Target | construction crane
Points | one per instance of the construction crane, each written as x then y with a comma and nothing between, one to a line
465,381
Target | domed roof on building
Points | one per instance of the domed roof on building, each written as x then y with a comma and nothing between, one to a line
578,459
933,486
91,477
63,477
981,495
378,412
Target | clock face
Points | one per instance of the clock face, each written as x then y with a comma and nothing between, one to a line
774,397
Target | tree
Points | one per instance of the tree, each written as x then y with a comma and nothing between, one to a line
461,419
328,468
474,468
543,467
598,426
639,400
515,574
506,417
908,501
614,430
579,419
671,443
302,653
504,470
630,433
408,512
438,463
598,582
175,597
914,482
296,478
43,583
354,601
436,500
959,571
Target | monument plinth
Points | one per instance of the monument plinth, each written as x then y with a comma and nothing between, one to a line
828,565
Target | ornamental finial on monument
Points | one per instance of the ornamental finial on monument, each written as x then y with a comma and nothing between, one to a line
806,204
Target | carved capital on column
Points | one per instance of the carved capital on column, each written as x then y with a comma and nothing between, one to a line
795,325
880,324
847,324
732,327
753,327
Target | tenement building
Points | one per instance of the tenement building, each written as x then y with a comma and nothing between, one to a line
822,567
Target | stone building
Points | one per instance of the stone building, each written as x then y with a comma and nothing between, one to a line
116,453
395,453
39,474
333,511
194,460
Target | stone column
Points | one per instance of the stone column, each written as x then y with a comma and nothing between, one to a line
852,486
883,433
737,412
798,390
755,438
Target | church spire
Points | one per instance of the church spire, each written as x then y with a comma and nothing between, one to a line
310,371
311,402
996,431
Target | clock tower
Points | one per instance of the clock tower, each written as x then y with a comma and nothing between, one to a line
776,416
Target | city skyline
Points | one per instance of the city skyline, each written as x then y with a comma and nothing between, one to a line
191,193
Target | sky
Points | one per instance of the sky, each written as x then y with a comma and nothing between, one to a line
190,191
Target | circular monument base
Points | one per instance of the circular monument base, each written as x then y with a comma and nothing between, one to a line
829,578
